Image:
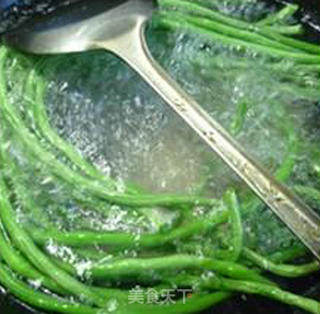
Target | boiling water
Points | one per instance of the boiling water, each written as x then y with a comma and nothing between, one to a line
119,123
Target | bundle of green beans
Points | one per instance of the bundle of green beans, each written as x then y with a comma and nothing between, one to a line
101,272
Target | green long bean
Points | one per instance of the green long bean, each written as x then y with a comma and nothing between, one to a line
240,25
248,36
284,270
202,27
128,267
125,240
20,265
280,16
38,259
275,293
231,202
41,300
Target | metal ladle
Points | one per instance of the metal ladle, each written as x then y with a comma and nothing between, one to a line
118,26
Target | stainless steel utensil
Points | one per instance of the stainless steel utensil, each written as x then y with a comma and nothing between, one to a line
118,26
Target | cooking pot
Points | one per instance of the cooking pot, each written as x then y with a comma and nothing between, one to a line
15,11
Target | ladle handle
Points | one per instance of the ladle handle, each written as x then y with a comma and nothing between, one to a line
302,220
